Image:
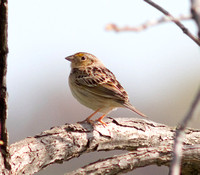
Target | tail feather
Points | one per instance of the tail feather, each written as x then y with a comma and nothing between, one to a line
132,108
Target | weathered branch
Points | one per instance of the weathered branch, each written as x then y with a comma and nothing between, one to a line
142,157
3,86
71,140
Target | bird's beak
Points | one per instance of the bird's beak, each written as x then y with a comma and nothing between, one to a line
69,58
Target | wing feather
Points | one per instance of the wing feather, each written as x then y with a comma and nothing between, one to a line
101,82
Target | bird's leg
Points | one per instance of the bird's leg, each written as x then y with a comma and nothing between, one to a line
100,119
88,118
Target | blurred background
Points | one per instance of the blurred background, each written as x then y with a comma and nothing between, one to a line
159,67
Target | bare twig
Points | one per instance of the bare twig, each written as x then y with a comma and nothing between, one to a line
3,87
146,25
178,23
178,143
195,10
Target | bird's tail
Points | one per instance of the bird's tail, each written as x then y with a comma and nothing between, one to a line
132,108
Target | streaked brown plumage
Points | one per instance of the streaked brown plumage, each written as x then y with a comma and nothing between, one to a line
96,87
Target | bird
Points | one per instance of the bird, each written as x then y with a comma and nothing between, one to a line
96,87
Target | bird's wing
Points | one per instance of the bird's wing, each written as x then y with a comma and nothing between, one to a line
101,82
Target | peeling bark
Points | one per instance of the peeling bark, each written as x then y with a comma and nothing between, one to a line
65,142
160,155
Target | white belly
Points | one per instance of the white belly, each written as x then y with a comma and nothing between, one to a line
93,101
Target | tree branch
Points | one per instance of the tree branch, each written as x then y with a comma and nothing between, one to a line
177,22
168,17
178,142
3,86
71,140
195,10
142,157
145,25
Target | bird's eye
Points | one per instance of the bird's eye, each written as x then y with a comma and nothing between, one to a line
83,58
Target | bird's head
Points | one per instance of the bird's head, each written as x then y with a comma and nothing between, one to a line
83,59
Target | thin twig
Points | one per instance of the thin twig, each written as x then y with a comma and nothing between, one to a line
177,22
178,143
146,25
195,10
